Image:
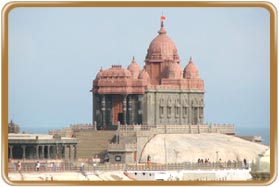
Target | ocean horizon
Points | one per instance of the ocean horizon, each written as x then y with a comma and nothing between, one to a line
264,132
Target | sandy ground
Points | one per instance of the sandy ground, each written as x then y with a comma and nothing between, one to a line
172,148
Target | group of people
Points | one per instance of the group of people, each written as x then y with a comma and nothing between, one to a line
19,166
201,161
229,163
52,166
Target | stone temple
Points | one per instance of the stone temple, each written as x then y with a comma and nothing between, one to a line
161,98
160,93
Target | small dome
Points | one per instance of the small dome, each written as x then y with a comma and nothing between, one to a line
174,71
191,71
134,68
162,47
116,71
144,75
98,76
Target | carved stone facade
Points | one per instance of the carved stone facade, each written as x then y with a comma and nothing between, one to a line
160,93
178,107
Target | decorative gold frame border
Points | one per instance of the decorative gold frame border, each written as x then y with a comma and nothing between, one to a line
273,88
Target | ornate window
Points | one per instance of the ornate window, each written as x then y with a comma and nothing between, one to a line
161,111
169,111
185,112
177,111
162,102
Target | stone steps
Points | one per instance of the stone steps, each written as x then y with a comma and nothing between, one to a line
91,143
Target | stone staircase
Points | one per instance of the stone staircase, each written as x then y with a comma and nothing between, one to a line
92,142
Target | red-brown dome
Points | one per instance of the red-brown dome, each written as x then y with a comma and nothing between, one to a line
144,75
191,71
116,71
174,71
162,48
134,68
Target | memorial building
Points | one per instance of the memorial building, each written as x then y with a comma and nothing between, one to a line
160,93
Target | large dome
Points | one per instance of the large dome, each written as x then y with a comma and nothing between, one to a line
162,48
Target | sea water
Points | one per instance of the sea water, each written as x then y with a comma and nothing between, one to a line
264,132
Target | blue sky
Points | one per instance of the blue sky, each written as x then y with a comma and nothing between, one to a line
55,53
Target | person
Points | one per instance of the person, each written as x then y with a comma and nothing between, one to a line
245,163
220,162
229,163
148,161
106,159
148,158
38,166
51,166
82,167
18,167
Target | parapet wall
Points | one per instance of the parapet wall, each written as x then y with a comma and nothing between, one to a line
70,131
146,130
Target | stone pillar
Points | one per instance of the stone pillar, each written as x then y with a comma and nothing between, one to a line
139,110
48,154
75,152
201,115
190,116
63,151
11,151
37,152
124,105
198,115
60,151
198,119
57,151
23,151
103,108
93,107
43,152
70,156
95,125
190,119
130,119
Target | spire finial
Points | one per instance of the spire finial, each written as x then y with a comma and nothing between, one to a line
162,20
134,60
191,60
162,30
